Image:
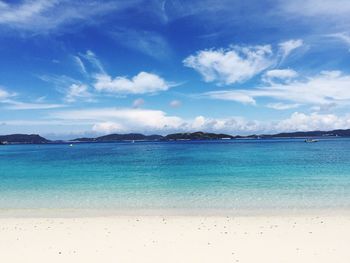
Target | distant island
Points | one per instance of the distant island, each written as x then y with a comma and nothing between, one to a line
22,139
121,137
142,137
37,139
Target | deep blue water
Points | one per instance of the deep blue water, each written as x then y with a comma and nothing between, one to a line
244,174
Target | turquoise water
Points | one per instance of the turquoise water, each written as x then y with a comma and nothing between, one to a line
245,174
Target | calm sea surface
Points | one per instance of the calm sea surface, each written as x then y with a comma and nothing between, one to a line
244,174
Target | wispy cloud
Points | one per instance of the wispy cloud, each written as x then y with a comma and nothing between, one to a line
282,106
279,75
149,43
287,47
78,92
42,16
17,105
324,88
344,37
80,65
71,88
240,96
92,58
10,101
60,81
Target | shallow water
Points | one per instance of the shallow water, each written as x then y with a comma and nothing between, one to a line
241,174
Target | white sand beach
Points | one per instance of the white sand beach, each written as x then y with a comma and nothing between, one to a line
297,238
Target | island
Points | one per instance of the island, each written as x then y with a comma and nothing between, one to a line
186,136
22,139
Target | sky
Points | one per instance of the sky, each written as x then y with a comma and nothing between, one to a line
88,68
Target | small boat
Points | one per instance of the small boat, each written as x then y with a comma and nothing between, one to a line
70,145
311,140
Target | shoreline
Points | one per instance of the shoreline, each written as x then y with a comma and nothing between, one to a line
96,213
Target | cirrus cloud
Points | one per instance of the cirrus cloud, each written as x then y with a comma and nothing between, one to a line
324,88
42,16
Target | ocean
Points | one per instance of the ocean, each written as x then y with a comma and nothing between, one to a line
188,175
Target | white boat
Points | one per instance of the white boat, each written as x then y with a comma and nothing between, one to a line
311,140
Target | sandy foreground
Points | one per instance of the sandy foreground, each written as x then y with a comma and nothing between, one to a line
176,239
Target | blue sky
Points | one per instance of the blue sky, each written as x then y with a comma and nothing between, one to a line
84,68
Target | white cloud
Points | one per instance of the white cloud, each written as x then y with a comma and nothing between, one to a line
4,94
123,120
231,125
138,103
303,122
279,74
282,106
175,103
78,91
41,16
141,83
131,119
107,120
296,122
287,47
108,127
239,63
232,95
324,88
232,65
